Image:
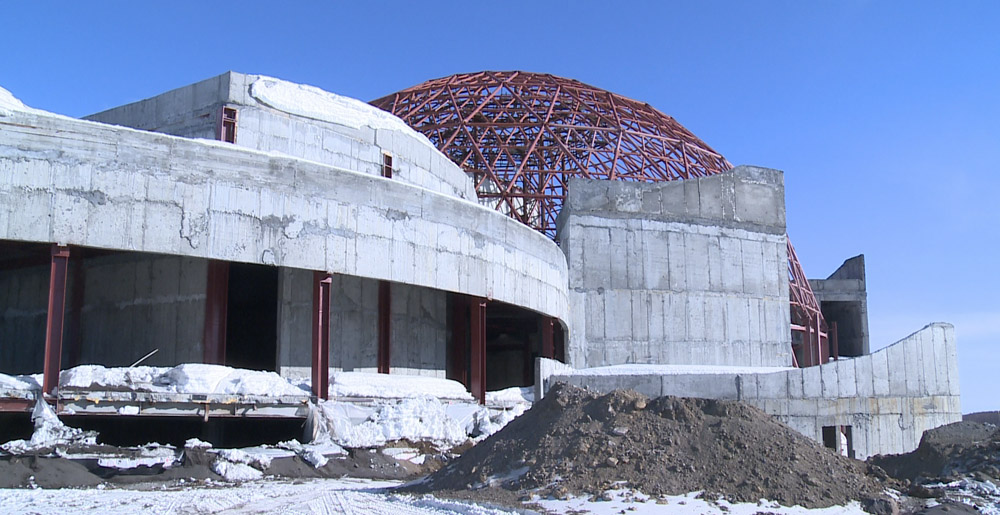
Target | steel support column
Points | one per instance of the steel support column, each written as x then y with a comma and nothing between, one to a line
384,326
322,283
216,306
54,320
459,359
477,307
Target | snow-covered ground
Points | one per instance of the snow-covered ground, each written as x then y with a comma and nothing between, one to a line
349,496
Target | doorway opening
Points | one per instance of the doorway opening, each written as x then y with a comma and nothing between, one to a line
252,317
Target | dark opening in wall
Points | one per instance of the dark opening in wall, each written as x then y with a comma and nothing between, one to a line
840,439
850,319
513,340
252,317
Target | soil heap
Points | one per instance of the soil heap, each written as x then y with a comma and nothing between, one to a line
948,453
577,442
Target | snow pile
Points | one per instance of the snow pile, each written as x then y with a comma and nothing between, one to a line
487,421
9,103
28,383
511,396
94,377
315,103
238,465
217,379
149,455
49,432
694,503
315,452
194,443
387,386
417,420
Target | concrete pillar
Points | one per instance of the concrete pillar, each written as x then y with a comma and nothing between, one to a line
322,283
54,321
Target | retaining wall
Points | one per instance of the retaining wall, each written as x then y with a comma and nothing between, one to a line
889,397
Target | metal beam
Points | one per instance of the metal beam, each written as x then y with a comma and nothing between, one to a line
54,320
478,351
384,326
322,283
216,307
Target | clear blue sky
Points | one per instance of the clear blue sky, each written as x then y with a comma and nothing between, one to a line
885,116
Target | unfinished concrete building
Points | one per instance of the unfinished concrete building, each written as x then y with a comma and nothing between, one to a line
252,222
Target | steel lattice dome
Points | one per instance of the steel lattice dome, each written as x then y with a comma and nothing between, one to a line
522,135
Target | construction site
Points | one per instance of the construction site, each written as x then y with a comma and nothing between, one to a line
245,259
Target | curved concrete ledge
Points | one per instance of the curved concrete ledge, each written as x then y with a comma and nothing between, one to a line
85,183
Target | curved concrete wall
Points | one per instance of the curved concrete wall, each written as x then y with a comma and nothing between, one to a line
85,183
300,121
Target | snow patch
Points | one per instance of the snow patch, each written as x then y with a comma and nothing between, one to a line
235,472
9,103
312,102
28,383
618,370
421,419
366,384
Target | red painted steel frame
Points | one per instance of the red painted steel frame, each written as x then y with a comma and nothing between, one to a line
477,308
216,307
322,285
54,320
384,326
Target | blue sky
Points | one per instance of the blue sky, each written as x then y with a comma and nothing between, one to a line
885,116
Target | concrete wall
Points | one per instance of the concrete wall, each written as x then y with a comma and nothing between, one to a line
889,397
24,295
136,303
132,304
418,337
193,111
685,272
96,185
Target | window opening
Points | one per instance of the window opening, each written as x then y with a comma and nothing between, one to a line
387,166
227,125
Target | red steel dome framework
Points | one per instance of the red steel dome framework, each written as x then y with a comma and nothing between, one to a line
522,135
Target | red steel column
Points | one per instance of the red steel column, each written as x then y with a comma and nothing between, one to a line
322,283
548,341
216,306
460,339
478,354
820,359
54,321
384,325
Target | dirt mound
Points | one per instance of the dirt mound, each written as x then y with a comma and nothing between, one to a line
983,417
947,453
577,442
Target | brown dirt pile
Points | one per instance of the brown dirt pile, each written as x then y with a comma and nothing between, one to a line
947,453
577,442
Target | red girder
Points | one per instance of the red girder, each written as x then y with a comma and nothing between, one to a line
522,135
